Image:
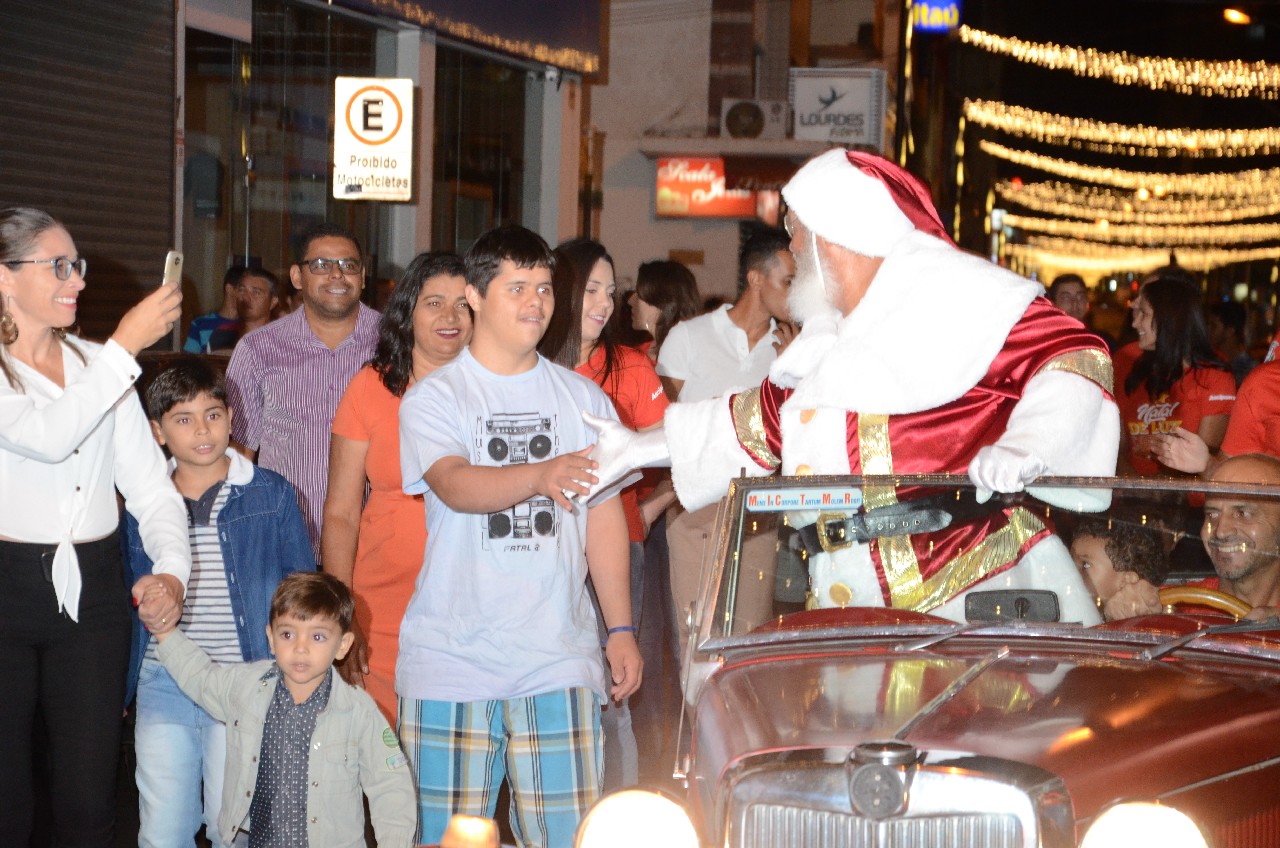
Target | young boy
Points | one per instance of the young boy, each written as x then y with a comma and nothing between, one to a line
246,533
305,743
499,668
1113,553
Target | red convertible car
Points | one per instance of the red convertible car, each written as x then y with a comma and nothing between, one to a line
817,725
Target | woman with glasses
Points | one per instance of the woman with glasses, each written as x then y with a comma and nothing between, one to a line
376,546
72,433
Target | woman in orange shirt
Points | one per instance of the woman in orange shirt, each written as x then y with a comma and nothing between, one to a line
376,547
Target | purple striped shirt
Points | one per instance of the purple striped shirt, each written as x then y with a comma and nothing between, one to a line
283,385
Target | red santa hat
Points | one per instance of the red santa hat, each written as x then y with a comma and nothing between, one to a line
861,201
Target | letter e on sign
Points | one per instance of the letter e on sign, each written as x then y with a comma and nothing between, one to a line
373,131
369,113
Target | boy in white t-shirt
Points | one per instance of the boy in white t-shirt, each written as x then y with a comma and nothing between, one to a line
499,671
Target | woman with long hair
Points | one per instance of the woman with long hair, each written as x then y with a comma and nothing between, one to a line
581,336
72,434
1177,380
666,293
376,547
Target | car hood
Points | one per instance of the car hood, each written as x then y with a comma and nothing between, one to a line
1109,723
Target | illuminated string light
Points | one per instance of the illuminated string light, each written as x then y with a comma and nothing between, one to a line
1231,78
1139,234
1067,200
1220,184
1121,138
1059,252
561,57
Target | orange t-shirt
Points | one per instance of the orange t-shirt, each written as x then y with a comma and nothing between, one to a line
1199,393
640,402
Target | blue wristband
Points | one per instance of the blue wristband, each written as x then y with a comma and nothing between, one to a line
625,628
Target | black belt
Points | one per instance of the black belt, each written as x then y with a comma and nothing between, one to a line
835,530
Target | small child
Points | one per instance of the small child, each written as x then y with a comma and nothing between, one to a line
246,533
305,743
1112,553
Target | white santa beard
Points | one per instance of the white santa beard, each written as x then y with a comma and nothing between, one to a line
809,295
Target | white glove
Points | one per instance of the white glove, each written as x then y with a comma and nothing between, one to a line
1003,469
619,450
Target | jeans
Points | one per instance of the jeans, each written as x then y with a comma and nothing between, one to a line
179,748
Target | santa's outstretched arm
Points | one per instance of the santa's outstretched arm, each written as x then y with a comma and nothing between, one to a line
1065,424
702,442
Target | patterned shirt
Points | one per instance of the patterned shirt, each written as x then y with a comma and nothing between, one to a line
278,813
284,385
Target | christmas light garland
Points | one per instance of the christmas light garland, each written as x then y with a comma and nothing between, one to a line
1231,78
1136,139
1218,184
1067,200
1069,254
1145,236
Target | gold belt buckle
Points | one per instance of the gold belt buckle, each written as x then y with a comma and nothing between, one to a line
824,538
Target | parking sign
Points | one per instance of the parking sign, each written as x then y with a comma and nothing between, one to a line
372,138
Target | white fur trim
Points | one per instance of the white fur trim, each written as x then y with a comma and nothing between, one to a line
705,454
845,206
925,333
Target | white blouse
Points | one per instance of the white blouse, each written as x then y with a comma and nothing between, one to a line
65,451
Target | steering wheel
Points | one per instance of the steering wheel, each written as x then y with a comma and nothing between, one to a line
1171,596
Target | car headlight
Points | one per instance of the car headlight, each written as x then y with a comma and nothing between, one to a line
634,817
1143,824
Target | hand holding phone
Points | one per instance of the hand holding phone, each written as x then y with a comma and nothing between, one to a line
172,268
156,314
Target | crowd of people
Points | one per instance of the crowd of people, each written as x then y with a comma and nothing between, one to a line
439,498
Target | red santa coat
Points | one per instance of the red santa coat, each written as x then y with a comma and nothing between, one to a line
945,355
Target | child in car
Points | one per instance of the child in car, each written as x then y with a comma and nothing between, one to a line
1112,553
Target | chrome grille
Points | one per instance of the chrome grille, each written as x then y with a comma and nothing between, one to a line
773,825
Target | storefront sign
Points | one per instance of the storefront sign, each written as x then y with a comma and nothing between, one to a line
372,139
840,105
935,15
690,187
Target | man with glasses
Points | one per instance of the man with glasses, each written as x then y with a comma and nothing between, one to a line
285,380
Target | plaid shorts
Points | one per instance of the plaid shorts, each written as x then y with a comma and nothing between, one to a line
549,747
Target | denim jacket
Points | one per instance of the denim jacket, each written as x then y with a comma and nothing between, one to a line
263,539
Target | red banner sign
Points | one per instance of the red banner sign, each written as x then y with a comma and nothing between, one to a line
690,187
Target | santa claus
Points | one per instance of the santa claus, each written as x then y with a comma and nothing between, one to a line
915,357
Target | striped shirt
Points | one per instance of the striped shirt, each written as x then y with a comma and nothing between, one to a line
207,618
284,385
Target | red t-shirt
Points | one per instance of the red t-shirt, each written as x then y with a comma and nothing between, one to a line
1255,420
1200,392
640,402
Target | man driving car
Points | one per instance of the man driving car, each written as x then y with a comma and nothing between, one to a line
1242,537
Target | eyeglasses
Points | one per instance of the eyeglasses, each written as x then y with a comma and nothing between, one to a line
62,266
324,266
787,225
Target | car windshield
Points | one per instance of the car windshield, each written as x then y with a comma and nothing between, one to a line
787,545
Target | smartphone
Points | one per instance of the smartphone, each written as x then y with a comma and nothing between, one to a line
172,268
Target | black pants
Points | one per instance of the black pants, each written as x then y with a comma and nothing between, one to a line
70,676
